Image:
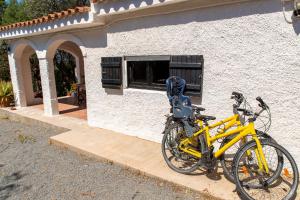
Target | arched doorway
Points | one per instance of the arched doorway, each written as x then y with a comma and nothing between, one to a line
29,87
66,59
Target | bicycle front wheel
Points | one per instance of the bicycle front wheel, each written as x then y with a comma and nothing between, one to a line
254,183
226,160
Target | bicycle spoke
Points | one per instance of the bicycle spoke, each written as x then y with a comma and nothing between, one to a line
175,158
254,183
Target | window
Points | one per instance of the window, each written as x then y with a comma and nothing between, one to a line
148,74
151,72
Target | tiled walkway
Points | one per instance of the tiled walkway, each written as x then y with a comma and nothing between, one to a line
68,109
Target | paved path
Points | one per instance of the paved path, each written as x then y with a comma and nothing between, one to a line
131,152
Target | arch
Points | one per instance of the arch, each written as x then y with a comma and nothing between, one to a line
79,62
20,45
73,45
54,42
22,74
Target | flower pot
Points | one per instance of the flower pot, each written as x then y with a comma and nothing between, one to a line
74,94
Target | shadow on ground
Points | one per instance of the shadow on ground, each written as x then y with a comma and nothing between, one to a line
9,184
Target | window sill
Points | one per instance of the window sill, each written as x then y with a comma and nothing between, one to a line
148,91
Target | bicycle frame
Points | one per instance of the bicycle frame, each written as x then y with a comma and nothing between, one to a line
241,132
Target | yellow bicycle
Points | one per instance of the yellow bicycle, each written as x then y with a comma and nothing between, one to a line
190,150
257,166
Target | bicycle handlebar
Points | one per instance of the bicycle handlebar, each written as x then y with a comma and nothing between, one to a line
237,94
239,98
262,103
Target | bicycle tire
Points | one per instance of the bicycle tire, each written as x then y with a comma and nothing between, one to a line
240,186
227,170
165,142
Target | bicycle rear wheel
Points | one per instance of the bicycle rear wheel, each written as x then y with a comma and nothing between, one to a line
279,183
177,160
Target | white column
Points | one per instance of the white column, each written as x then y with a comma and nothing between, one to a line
17,80
27,77
77,70
49,86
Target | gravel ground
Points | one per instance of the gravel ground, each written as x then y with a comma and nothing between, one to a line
31,169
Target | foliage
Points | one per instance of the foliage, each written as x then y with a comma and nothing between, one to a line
15,12
6,93
2,8
73,88
6,89
26,139
4,66
65,65
64,68
36,76
38,8
10,12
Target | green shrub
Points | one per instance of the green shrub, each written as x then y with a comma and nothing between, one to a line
6,93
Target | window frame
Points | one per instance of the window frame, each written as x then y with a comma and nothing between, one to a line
194,91
149,74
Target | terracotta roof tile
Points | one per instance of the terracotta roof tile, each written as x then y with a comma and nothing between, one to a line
50,17
96,1
71,11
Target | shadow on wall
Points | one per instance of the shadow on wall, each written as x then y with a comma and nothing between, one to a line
99,41
196,100
126,5
296,26
206,14
114,91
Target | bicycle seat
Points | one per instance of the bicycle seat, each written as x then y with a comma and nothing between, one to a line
206,118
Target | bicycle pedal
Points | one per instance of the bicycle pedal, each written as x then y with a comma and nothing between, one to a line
207,163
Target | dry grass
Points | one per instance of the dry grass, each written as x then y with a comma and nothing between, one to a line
26,139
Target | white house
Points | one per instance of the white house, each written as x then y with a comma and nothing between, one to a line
126,49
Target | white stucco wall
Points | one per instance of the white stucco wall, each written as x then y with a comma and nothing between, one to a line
247,47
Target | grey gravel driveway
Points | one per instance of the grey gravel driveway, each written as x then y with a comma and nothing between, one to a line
32,169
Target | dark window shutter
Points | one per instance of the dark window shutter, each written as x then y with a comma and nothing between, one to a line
189,68
111,72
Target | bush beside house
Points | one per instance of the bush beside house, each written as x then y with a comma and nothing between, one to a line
6,94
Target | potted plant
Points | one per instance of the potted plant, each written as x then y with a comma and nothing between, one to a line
73,90
6,94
